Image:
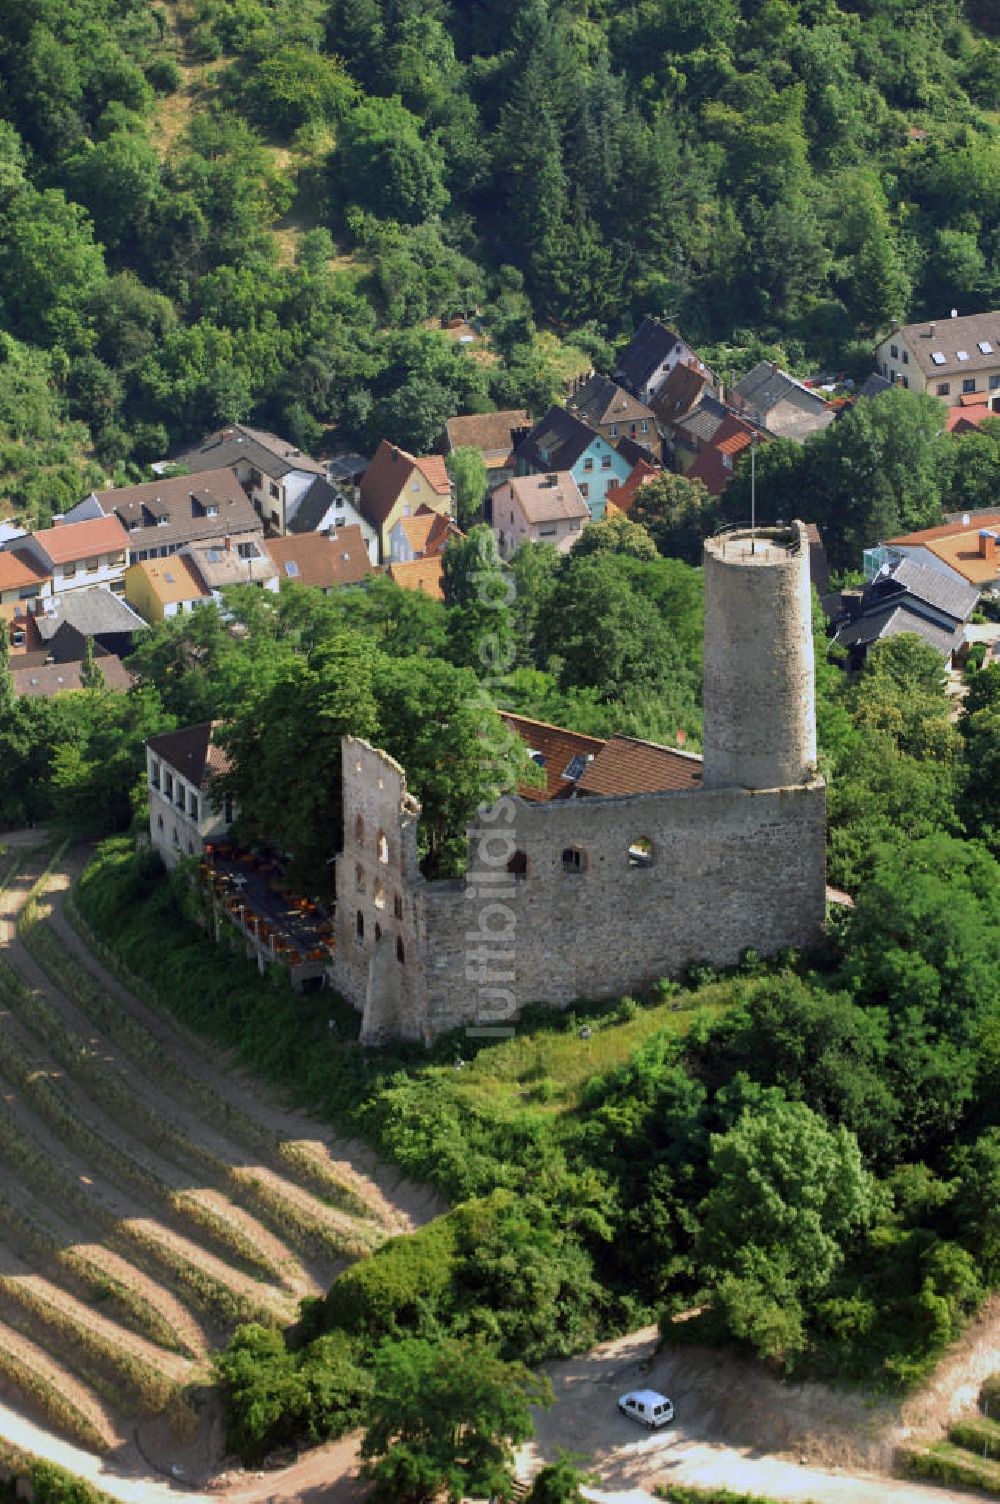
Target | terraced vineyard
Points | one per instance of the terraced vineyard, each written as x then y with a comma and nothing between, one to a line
150,1198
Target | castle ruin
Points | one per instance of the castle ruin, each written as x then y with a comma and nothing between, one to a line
599,894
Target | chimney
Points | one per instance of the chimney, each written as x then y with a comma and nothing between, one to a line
228,543
681,737
774,368
58,520
931,329
987,543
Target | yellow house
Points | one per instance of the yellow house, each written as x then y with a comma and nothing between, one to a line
397,484
158,588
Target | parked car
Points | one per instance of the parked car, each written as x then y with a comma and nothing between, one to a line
647,1407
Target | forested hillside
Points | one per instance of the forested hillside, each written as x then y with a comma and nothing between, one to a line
221,209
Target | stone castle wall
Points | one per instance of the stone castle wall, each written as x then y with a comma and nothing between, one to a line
611,893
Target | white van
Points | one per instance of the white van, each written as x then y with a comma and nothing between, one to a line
647,1407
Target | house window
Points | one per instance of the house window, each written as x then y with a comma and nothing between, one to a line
93,565
644,425
378,895
272,490
359,878
943,388
400,952
574,860
359,830
397,905
584,489
378,932
606,462
168,785
906,357
894,351
68,571
588,463
547,532
154,775
415,485
382,847
640,852
339,521
211,510
518,864
359,925
177,839
118,558
968,383
613,430
162,521
256,479
994,383
906,381
159,822
193,810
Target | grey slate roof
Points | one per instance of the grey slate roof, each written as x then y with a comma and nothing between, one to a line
601,400
184,501
950,336
764,387
955,598
648,348
890,623
267,452
92,612
313,507
874,385
703,420
556,442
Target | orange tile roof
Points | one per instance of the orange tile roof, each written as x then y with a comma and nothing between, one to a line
961,553
434,470
966,419
624,495
626,765
487,431
420,574
734,444
428,533
321,559
945,530
558,747
81,540
171,579
17,571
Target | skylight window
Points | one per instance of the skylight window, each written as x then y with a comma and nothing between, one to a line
291,568
214,556
937,358
985,348
962,354
168,577
575,767
538,758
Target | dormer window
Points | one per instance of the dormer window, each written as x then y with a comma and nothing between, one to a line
162,521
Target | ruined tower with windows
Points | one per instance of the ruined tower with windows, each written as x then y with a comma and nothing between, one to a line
599,895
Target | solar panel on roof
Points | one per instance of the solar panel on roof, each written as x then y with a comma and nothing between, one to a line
937,358
575,767
962,354
985,347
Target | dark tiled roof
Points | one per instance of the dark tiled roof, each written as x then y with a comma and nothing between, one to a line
648,348
313,507
626,765
556,442
704,421
874,385
239,444
890,623
950,336
191,752
956,598
184,501
765,386
601,400
679,392
558,750
55,678
91,611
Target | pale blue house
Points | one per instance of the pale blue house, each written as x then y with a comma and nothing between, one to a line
561,441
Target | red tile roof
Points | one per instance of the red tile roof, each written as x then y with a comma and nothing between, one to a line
624,495
82,540
946,530
556,749
17,571
428,533
191,752
339,558
435,472
626,765
966,419
420,574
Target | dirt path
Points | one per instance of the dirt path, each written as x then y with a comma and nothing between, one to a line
732,1417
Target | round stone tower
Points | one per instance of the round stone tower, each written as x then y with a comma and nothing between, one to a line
758,683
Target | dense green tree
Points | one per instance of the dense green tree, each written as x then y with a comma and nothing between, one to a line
679,514
467,469
615,534
383,163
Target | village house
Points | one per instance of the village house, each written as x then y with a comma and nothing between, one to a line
563,442
621,498
183,813
649,357
42,681
21,578
905,597
321,561
99,614
47,640
161,588
76,555
493,434
715,463
330,507
239,561
947,358
425,535
397,484
615,413
274,474
964,549
420,574
769,398
539,509
162,516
